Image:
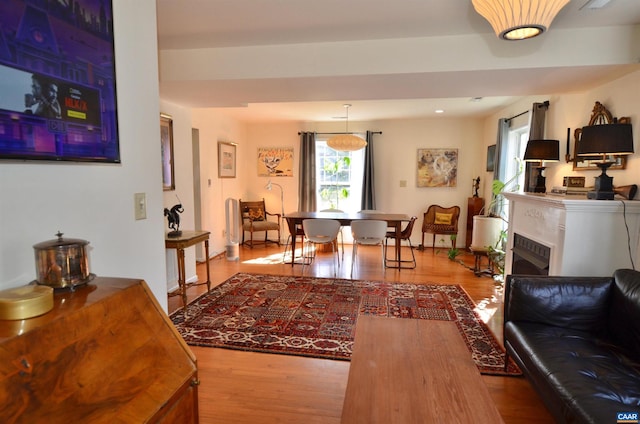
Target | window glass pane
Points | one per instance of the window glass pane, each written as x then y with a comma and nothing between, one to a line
339,178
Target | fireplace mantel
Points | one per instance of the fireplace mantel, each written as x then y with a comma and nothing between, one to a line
586,237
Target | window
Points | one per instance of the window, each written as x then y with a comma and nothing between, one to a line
339,178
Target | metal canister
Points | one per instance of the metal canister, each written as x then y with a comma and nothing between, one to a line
62,262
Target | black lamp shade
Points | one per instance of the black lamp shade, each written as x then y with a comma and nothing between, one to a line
608,139
539,150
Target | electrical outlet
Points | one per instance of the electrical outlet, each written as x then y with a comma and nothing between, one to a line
140,205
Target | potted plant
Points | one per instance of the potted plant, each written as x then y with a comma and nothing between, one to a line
490,230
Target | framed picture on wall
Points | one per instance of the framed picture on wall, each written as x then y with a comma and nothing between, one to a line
226,159
437,167
166,146
491,157
275,161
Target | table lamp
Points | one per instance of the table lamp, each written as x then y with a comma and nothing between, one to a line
540,151
605,140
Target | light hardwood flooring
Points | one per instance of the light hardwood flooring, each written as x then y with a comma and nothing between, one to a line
248,387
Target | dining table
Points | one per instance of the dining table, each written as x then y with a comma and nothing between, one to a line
394,220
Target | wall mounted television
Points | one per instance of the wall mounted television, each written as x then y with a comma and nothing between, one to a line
57,81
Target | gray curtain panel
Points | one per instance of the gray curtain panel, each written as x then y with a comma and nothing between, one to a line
536,132
368,182
307,179
501,158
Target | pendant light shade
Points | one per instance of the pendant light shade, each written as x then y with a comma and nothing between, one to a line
519,19
346,142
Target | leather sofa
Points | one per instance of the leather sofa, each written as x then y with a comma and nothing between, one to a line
577,340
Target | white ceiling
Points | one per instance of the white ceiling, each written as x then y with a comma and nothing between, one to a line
223,28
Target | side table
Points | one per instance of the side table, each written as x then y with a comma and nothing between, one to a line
181,242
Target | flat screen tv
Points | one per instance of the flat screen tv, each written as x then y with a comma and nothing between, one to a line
57,81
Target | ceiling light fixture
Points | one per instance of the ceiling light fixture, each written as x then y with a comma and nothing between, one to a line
346,142
519,19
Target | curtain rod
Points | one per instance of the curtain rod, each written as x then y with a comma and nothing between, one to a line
546,103
337,133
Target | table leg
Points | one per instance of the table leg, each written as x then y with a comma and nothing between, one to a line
398,244
292,230
206,261
182,278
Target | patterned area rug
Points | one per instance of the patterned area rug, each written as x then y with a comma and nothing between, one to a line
316,317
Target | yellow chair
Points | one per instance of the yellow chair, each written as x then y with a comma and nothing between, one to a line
440,220
254,217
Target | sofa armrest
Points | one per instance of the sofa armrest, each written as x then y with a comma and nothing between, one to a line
579,303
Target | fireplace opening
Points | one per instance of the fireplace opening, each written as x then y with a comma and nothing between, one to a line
529,257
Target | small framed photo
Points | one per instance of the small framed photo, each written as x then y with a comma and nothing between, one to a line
166,146
491,157
226,160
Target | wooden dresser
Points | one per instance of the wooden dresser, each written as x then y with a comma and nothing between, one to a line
106,353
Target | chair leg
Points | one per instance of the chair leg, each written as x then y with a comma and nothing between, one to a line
433,245
353,256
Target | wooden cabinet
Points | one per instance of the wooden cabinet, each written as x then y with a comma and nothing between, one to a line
474,206
106,353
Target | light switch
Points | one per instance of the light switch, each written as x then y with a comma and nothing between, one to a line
403,183
140,205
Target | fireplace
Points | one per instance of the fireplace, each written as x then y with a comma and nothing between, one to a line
567,235
529,256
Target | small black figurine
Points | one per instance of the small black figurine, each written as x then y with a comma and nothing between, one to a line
476,186
174,219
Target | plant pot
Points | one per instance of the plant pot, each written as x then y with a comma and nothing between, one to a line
486,232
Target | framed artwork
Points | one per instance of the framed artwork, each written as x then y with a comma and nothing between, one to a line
166,146
58,82
491,157
437,167
226,160
275,161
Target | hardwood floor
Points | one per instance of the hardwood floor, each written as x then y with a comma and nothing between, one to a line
248,387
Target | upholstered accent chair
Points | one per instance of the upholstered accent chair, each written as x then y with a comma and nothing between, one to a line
440,220
255,219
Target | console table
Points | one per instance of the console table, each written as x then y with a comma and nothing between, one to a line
181,242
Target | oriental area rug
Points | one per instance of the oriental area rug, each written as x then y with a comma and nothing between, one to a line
316,317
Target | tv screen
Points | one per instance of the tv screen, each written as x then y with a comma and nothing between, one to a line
57,81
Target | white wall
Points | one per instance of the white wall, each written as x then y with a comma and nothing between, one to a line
214,127
95,201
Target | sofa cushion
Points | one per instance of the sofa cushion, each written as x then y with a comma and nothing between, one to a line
583,379
624,317
579,303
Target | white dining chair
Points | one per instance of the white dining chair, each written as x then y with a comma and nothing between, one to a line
368,232
340,232
322,231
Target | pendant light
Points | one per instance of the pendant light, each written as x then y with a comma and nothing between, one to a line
346,142
519,19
